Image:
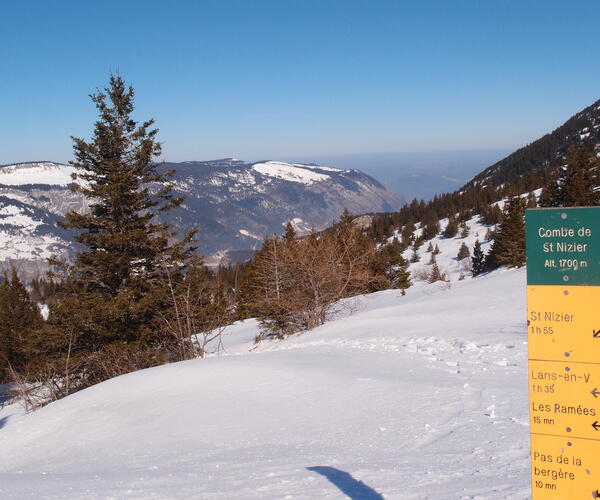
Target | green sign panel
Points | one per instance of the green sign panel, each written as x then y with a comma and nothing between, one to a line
563,246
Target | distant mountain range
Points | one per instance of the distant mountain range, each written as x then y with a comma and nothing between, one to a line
234,205
423,174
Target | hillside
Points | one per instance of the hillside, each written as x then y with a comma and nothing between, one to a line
422,396
234,205
548,151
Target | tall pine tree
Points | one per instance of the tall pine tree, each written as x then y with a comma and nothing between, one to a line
478,259
509,245
117,279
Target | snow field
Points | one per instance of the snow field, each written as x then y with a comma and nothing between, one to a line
42,173
291,172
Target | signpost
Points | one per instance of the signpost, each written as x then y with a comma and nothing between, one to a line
563,323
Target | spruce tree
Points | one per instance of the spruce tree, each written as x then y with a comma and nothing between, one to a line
463,252
478,259
451,229
509,245
414,257
118,279
290,233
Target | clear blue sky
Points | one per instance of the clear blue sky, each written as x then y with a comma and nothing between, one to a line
273,79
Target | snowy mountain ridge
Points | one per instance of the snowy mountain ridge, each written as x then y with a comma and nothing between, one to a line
233,204
36,173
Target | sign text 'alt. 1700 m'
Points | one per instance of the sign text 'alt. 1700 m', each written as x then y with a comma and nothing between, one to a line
563,299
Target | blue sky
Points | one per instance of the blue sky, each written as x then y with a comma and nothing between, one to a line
284,79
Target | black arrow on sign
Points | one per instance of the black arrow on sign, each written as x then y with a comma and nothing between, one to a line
596,334
595,392
596,426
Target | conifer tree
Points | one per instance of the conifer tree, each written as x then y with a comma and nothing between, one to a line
389,263
290,233
436,274
414,257
478,259
118,280
451,229
463,252
19,319
509,245
575,184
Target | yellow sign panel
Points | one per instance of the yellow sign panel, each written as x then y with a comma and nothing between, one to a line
564,468
564,323
564,399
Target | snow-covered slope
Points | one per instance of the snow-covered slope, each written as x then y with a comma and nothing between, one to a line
415,397
33,197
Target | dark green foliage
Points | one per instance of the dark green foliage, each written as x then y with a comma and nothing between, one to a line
429,247
574,185
290,232
414,256
451,229
19,321
126,253
478,259
431,228
436,250
509,245
407,232
490,215
119,288
388,262
464,230
463,252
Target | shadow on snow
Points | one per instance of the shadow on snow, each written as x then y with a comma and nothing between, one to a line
354,489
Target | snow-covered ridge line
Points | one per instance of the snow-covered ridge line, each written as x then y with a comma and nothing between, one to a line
47,173
293,172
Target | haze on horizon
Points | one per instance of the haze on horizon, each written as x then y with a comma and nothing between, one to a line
340,80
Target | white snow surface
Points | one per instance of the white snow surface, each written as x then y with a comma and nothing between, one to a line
400,397
53,174
293,172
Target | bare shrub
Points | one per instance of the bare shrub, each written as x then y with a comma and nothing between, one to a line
297,283
196,315
422,273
